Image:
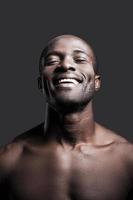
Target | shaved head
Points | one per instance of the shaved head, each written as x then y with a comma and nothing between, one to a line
70,38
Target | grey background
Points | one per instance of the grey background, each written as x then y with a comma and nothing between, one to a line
26,26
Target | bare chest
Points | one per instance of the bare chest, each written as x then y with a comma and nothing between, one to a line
69,177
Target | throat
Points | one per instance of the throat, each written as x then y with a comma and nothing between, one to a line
72,128
78,129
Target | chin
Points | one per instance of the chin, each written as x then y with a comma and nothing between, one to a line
69,104
70,99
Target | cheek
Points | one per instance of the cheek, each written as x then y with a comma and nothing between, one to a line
89,82
90,78
88,71
47,74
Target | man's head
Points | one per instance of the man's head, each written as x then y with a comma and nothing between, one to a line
68,70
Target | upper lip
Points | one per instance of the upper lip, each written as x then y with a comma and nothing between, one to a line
66,76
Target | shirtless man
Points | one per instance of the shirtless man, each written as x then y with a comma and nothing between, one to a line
70,157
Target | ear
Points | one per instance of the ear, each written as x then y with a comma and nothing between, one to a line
97,82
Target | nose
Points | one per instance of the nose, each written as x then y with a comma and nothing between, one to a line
67,64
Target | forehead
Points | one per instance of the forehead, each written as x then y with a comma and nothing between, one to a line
68,45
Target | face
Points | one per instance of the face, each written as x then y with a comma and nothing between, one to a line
68,73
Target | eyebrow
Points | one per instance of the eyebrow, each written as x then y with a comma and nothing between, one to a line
81,51
60,53
53,53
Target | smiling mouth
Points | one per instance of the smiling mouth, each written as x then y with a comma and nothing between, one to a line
66,82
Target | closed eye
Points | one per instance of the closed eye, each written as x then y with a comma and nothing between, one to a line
52,62
80,60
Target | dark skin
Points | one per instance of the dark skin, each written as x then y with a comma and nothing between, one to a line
71,157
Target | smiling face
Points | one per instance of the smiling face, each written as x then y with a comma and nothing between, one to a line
68,72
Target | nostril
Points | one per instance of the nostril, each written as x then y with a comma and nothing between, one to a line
72,68
64,68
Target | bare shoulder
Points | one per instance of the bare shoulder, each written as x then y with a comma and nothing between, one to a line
120,145
9,154
108,136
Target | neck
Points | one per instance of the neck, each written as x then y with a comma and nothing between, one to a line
75,127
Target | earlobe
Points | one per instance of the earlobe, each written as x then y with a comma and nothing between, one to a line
97,82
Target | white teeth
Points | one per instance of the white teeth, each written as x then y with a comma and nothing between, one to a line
68,80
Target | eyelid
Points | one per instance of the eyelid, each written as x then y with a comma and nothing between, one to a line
52,59
80,58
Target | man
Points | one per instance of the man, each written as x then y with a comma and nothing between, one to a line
70,157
